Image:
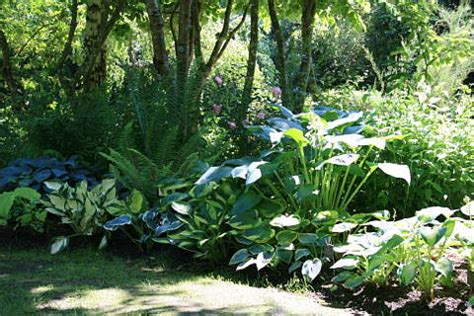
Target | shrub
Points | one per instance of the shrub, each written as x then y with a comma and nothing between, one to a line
34,173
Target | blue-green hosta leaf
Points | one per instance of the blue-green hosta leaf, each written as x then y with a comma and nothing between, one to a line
246,264
396,171
444,266
295,266
268,133
311,269
239,257
345,263
283,125
173,197
117,222
301,253
214,174
468,209
254,173
240,172
59,244
297,135
285,221
285,237
351,118
408,273
308,239
181,208
285,111
167,227
246,202
343,227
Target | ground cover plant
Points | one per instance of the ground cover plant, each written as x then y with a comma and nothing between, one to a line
323,147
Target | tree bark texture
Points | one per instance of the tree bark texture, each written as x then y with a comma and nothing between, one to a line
6,67
280,54
160,55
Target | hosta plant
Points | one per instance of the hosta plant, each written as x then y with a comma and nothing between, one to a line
408,251
297,194
81,209
203,215
34,173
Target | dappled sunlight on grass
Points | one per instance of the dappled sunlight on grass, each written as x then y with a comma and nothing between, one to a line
90,282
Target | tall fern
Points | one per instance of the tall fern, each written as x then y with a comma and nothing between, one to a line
151,145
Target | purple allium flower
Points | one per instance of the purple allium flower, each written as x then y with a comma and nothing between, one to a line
276,92
217,109
261,115
232,125
219,81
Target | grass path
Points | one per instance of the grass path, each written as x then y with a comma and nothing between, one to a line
87,281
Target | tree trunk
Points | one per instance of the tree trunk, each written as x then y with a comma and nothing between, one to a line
95,51
280,54
252,60
66,66
160,56
182,44
6,67
307,21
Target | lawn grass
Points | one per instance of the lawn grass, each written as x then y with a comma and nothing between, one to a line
85,281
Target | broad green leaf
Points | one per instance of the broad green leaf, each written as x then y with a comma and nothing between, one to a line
53,186
295,266
137,201
396,171
181,208
432,235
246,264
297,135
444,266
103,243
246,202
301,253
6,203
408,273
245,220
259,235
286,237
283,255
343,276
354,282
239,257
308,239
27,193
214,174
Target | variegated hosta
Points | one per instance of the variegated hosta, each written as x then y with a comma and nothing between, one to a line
411,250
301,187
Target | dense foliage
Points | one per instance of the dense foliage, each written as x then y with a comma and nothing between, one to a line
296,136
